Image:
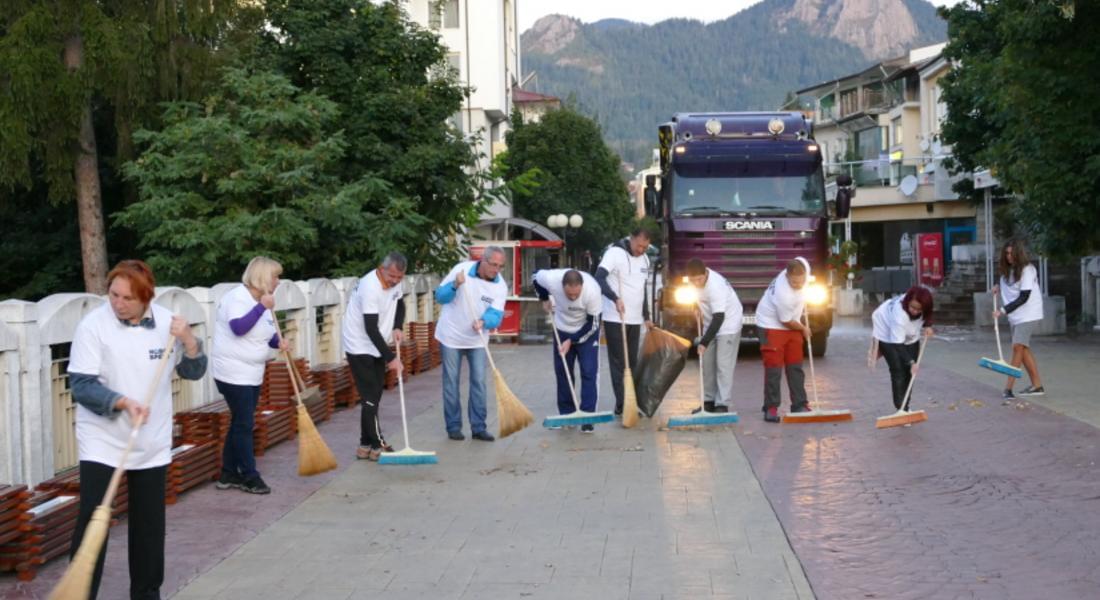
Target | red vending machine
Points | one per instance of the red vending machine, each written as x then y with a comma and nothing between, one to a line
929,259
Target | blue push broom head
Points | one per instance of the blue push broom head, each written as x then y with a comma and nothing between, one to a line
703,419
408,456
1000,367
578,418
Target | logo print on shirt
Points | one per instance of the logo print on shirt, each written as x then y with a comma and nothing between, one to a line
156,353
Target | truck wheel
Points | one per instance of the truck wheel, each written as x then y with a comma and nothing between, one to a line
821,343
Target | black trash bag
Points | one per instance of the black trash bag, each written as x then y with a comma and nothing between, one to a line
664,355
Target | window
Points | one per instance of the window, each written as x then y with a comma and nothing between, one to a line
450,14
941,107
898,132
435,10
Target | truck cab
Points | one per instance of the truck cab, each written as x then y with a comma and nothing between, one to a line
745,193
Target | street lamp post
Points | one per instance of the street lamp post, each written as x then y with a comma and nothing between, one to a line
565,224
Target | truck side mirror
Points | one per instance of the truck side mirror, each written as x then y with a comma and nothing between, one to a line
843,202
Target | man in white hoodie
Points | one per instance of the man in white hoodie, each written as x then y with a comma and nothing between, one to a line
781,330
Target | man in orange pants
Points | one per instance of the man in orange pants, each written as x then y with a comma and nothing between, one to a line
779,325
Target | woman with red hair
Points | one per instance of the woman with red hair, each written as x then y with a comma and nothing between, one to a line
897,331
116,353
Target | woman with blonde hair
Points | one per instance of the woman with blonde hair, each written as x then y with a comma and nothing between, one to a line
244,336
1022,302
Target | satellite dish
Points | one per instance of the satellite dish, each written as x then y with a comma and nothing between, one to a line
937,148
908,185
924,145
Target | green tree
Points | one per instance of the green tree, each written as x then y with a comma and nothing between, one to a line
389,80
578,174
255,170
65,64
1024,102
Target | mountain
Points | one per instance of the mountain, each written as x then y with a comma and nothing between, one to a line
632,76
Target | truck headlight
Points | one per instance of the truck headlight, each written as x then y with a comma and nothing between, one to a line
816,294
686,295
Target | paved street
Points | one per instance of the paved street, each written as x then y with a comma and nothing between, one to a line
984,500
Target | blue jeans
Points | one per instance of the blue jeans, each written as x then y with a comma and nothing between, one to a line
452,378
237,455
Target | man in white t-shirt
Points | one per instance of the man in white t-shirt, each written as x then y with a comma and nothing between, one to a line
116,355
374,318
721,313
1023,304
576,307
622,275
473,296
781,330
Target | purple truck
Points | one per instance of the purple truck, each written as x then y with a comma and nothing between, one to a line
745,193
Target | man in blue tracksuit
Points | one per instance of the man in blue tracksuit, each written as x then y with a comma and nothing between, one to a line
577,306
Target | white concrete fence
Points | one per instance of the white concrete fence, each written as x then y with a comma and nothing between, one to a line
37,437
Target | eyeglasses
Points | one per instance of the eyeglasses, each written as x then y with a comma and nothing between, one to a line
496,265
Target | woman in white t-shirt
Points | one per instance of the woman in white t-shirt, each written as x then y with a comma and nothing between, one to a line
1022,302
116,354
898,325
244,336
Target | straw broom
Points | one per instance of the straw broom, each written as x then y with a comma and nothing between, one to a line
76,583
314,455
512,415
630,400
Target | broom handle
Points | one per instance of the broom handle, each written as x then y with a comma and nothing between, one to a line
116,477
810,347
401,394
702,392
286,356
564,364
997,329
622,318
920,354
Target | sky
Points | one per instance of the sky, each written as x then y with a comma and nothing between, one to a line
644,11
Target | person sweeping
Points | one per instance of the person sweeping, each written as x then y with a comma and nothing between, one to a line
375,316
1023,304
244,336
117,355
576,307
471,288
622,275
721,313
781,330
897,326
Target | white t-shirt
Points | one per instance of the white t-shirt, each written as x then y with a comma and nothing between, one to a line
891,323
1032,310
717,296
627,275
240,359
455,328
780,304
125,360
369,298
570,315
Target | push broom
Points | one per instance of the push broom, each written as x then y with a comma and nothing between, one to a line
76,583
512,415
405,456
999,366
578,416
702,417
630,400
814,415
904,416
314,455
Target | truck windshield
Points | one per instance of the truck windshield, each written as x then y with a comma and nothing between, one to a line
774,194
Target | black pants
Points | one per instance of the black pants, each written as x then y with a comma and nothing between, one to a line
145,521
900,359
370,377
238,457
613,332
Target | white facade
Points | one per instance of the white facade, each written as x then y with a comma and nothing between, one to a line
483,40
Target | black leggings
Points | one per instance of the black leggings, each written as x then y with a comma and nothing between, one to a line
900,358
144,518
